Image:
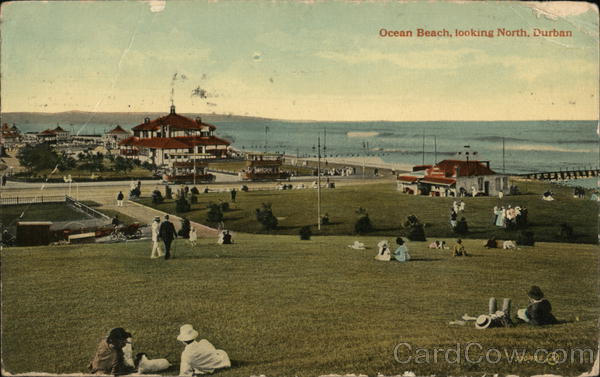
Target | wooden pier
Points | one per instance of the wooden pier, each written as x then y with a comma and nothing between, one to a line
562,175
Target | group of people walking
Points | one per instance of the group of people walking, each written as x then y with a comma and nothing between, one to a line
165,232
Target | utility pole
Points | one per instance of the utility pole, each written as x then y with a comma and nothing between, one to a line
319,183
194,167
266,133
434,149
503,152
423,148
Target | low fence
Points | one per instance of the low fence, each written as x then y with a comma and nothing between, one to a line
17,200
86,209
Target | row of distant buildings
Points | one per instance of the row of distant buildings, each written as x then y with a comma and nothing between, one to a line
161,141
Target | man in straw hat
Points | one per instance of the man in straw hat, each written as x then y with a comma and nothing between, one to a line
199,357
539,310
156,252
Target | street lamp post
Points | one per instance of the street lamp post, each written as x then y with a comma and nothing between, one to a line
319,183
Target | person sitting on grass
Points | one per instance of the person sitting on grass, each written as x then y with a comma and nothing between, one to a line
494,318
109,357
491,243
401,254
459,249
224,238
199,357
438,245
384,251
539,310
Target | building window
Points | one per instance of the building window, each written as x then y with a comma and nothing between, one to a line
480,183
504,182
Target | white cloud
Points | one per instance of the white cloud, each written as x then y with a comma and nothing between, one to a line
157,5
561,9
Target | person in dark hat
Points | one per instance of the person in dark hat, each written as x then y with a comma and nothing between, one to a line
539,310
167,233
109,357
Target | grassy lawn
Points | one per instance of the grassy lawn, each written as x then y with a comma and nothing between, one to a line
281,306
9,215
110,212
388,210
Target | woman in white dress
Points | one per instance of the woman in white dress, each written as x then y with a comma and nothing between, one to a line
384,251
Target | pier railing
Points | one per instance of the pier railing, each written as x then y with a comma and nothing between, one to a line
561,175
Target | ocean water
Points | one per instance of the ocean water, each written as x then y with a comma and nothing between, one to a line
532,146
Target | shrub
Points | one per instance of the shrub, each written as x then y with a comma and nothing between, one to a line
214,214
184,232
224,206
525,238
363,225
157,197
182,205
168,192
135,193
461,227
566,232
305,233
265,216
414,229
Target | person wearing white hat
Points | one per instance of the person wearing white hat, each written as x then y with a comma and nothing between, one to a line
199,357
384,251
156,252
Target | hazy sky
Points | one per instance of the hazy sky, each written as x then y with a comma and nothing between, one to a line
319,61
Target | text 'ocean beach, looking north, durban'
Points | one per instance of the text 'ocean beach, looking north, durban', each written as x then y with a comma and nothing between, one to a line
489,33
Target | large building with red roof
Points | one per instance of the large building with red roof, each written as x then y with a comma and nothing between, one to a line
454,177
55,135
173,138
10,137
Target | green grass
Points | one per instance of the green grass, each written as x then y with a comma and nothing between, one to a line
9,215
281,306
388,210
125,219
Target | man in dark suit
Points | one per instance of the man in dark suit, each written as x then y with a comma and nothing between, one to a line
167,233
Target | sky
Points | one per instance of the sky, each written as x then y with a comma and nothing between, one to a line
300,60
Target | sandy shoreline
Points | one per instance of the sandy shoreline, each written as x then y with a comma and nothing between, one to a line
372,161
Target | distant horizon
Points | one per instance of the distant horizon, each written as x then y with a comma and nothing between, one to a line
292,120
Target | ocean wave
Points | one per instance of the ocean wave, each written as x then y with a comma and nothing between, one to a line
546,148
362,134
497,138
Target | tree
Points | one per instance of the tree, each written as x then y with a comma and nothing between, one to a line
182,205
122,164
215,214
264,215
38,157
363,224
66,162
305,233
